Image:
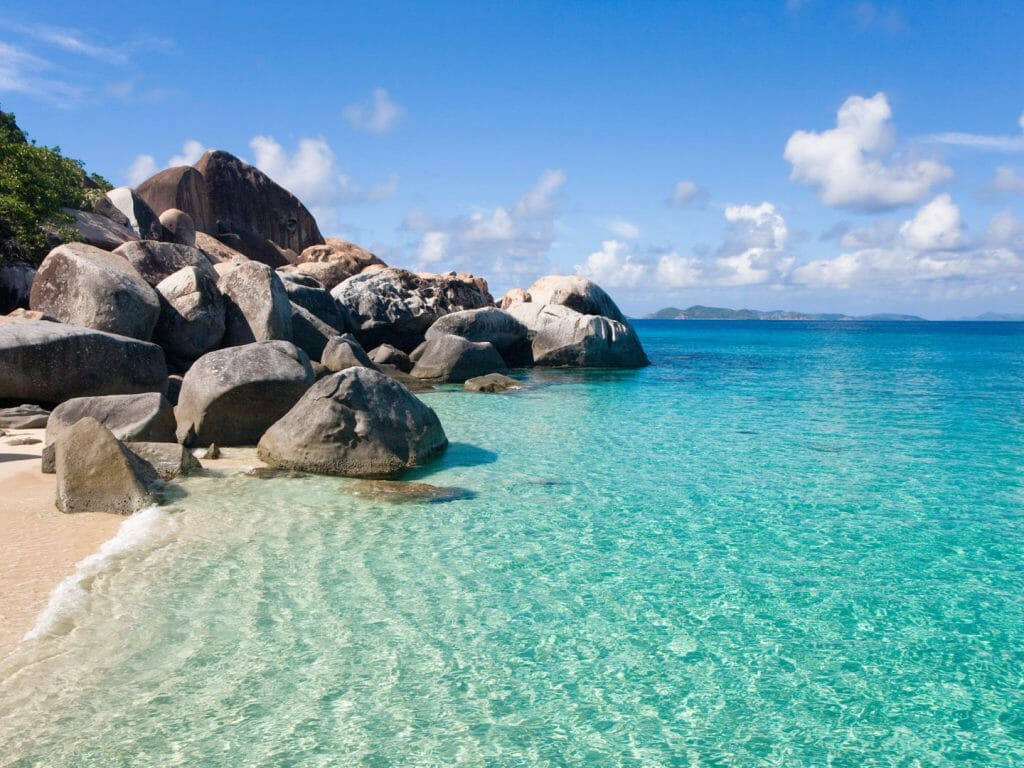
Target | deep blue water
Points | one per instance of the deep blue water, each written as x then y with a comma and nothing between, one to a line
793,544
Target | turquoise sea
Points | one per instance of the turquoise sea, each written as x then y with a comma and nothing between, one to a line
783,544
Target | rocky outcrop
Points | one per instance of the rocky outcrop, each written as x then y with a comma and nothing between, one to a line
96,473
99,231
386,354
485,324
178,227
344,352
257,305
183,188
575,292
126,207
24,416
453,358
47,362
397,307
357,423
492,382
169,460
561,336
15,285
230,396
192,314
83,285
334,261
155,261
513,296
243,199
148,416
309,332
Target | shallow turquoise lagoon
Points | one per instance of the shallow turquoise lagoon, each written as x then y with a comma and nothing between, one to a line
785,544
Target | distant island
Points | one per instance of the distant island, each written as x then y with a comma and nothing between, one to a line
698,312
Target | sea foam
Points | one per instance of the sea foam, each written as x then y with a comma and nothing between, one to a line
143,531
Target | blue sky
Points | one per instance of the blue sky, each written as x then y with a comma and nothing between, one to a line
812,155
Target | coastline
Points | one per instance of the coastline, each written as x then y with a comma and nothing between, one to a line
39,545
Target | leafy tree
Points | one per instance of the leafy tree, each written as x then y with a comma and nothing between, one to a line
35,184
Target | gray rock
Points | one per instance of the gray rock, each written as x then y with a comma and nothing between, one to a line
492,382
455,359
97,230
134,212
96,473
575,292
24,417
297,278
192,314
178,227
170,460
356,423
397,307
257,305
344,352
216,251
155,261
83,285
51,362
386,354
484,324
22,440
309,332
183,188
561,336
316,300
15,285
230,396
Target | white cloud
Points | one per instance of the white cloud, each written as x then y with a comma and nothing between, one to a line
981,141
383,190
541,200
310,172
937,226
20,73
433,247
379,115
613,266
847,163
145,165
625,229
754,252
1007,181
73,41
686,193
675,271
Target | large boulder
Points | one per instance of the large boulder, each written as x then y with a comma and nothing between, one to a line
96,473
344,352
357,423
183,188
386,354
484,324
455,359
125,206
147,416
561,336
257,305
155,261
491,382
255,248
15,285
192,314
333,261
178,227
170,460
99,231
25,416
47,362
314,299
575,292
216,251
244,199
309,332
397,307
230,396
83,285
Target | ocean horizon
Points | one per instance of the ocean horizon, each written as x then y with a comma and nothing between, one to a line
792,543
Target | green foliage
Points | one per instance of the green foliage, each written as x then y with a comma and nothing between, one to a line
35,183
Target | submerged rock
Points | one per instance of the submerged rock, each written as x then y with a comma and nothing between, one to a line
358,423
403,492
492,382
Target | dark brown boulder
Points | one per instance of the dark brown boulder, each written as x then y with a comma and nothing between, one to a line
244,199
254,247
182,188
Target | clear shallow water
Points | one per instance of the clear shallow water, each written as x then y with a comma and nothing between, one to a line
783,544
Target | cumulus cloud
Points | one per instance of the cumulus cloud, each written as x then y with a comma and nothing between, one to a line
379,115
848,164
687,193
929,253
624,229
613,266
310,172
982,141
509,243
145,165
1007,181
